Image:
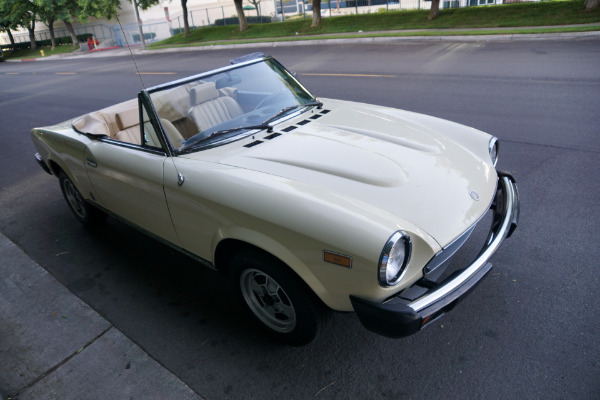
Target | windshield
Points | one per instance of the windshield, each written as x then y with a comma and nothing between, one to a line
216,109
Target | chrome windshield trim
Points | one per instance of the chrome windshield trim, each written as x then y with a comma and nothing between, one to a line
188,79
510,211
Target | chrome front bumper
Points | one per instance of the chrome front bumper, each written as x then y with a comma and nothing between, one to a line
398,317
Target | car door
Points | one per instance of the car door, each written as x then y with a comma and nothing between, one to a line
127,180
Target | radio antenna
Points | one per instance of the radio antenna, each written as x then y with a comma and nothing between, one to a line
131,52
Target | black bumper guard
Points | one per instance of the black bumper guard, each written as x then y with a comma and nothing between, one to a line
397,317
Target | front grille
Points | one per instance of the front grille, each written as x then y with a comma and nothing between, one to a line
453,258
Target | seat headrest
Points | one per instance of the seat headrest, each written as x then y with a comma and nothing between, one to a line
128,118
204,92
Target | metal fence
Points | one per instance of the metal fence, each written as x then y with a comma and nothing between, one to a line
277,10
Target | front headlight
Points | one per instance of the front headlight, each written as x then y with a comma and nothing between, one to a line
493,147
394,259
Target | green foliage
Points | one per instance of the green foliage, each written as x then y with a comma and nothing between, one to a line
42,43
147,36
28,53
17,13
177,31
235,21
509,15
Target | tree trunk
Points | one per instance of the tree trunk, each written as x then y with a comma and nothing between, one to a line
10,37
591,4
72,33
31,29
186,24
240,14
316,17
435,10
50,23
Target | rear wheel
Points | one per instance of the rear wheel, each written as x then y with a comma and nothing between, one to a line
85,213
280,301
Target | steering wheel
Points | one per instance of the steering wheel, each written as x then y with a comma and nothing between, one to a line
271,99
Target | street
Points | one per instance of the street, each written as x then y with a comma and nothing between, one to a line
530,330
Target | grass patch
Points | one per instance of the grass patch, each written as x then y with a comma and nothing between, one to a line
20,54
561,12
439,32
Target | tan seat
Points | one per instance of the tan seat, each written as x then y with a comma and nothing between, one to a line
129,129
209,108
172,133
128,123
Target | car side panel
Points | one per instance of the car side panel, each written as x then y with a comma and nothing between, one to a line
64,147
128,182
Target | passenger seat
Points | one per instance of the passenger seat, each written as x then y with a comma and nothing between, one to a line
129,129
128,122
209,108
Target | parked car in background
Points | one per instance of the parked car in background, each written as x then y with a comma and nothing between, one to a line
307,205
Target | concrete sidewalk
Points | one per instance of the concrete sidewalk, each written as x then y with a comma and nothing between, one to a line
54,346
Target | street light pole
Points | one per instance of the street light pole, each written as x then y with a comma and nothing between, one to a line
139,23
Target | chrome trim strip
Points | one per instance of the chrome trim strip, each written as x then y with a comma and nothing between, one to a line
511,207
493,142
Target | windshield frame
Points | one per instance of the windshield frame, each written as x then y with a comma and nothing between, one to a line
243,132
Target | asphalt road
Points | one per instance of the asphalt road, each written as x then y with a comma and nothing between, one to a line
530,330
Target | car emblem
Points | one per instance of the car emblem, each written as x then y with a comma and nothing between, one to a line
474,195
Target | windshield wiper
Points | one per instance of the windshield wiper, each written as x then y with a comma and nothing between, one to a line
193,143
265,125
285,110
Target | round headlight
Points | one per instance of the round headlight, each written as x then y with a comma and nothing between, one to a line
394,259
493,147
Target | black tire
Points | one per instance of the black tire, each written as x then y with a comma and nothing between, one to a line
284,306
84,212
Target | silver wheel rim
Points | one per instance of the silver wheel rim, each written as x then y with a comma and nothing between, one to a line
74,198
267,300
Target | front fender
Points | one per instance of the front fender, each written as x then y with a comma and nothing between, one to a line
276,249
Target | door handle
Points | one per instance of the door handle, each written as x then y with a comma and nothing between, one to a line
91,162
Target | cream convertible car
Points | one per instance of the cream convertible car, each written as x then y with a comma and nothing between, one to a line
306,205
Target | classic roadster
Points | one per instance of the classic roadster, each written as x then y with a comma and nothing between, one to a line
307,205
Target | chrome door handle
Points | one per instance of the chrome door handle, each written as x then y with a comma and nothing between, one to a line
91,162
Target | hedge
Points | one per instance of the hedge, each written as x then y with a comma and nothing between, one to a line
47,42
147,36
265,19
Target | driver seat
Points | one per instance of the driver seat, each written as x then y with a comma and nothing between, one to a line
209,108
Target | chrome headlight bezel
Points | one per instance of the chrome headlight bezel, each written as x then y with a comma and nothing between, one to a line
391,267
493,150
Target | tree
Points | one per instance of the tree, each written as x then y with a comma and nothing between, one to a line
186,24
591,4
316,17
435,10
240,13
256,4
47,11
6,23
16,13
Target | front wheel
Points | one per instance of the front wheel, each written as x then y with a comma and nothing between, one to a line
85,213
280,301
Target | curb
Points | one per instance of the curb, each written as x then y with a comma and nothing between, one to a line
308,42
53,345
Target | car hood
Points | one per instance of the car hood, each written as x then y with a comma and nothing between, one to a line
385,158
